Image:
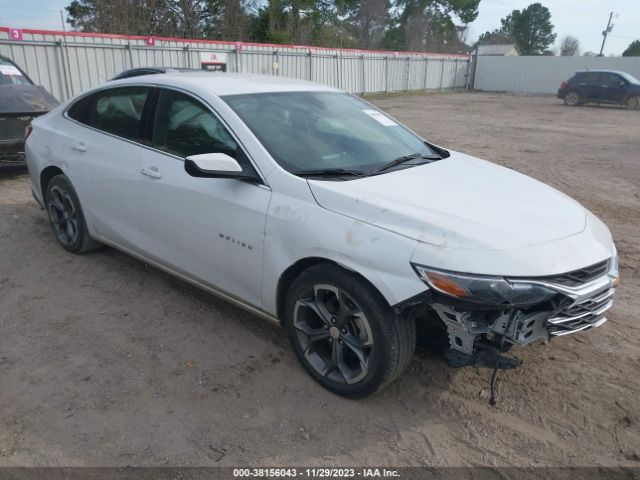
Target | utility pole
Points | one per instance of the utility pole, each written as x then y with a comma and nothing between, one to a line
606,32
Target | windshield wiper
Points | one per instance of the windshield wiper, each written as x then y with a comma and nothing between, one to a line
330,172
407,158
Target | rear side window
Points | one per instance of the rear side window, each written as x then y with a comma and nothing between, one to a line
81,110
591,78
117,111
183,126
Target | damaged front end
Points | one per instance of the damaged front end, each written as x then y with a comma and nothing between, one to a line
483,315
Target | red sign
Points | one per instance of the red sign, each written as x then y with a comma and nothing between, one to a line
150,41
15,34
238,46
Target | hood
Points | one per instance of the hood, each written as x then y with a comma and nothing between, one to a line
458,202
25,99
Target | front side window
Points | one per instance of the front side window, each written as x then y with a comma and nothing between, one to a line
183,126
310,131
611,79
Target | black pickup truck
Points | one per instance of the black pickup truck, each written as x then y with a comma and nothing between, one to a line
20,102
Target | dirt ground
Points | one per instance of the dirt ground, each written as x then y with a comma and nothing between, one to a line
106,361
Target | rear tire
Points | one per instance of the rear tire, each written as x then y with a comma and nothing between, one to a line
66,216
572,99
344,333
632,103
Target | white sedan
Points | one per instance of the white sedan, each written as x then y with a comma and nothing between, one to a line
312,208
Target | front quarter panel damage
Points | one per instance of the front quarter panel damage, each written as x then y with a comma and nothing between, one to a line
298,228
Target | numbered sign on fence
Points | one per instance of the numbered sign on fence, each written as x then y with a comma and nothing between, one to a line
15,34
150,41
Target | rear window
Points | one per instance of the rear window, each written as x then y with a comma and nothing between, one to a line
11,75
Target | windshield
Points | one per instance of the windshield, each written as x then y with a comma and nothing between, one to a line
10,75
332,131
630,78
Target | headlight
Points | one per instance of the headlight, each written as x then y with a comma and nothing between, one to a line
483,289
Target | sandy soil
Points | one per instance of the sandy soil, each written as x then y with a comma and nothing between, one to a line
106,361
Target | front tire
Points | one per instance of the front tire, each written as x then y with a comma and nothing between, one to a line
632,103
66,216
344,333
572,99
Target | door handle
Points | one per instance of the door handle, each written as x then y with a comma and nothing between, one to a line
151,171
79,146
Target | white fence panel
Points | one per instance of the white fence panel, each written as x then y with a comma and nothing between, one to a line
68,64
541,74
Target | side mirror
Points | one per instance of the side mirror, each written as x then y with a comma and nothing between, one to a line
623,84
215,165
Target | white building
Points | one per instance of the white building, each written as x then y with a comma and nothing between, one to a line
508,50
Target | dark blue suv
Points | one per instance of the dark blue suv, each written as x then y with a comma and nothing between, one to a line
601,86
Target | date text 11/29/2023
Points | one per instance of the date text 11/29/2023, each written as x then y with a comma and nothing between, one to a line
318,472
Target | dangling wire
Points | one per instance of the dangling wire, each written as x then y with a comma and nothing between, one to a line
494,375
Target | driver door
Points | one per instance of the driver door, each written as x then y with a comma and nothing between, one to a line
209,229
613,88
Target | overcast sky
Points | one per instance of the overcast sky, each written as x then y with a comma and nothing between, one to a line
584,19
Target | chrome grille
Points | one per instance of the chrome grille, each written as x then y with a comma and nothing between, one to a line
579,277
583,315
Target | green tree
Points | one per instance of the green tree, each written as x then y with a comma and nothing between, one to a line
633,50
365,21
531,30
313,22
496,37
423,25
395,24
183,18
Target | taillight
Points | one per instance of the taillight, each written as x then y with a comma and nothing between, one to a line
27,132
563,84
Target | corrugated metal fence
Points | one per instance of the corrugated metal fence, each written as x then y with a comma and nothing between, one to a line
541,74
69,64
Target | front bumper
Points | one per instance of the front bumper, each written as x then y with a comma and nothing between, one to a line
583,298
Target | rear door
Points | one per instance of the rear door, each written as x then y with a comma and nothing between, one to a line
588,84
100,146
210,229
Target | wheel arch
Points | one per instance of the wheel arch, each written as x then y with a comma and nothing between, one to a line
45,177
290,274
